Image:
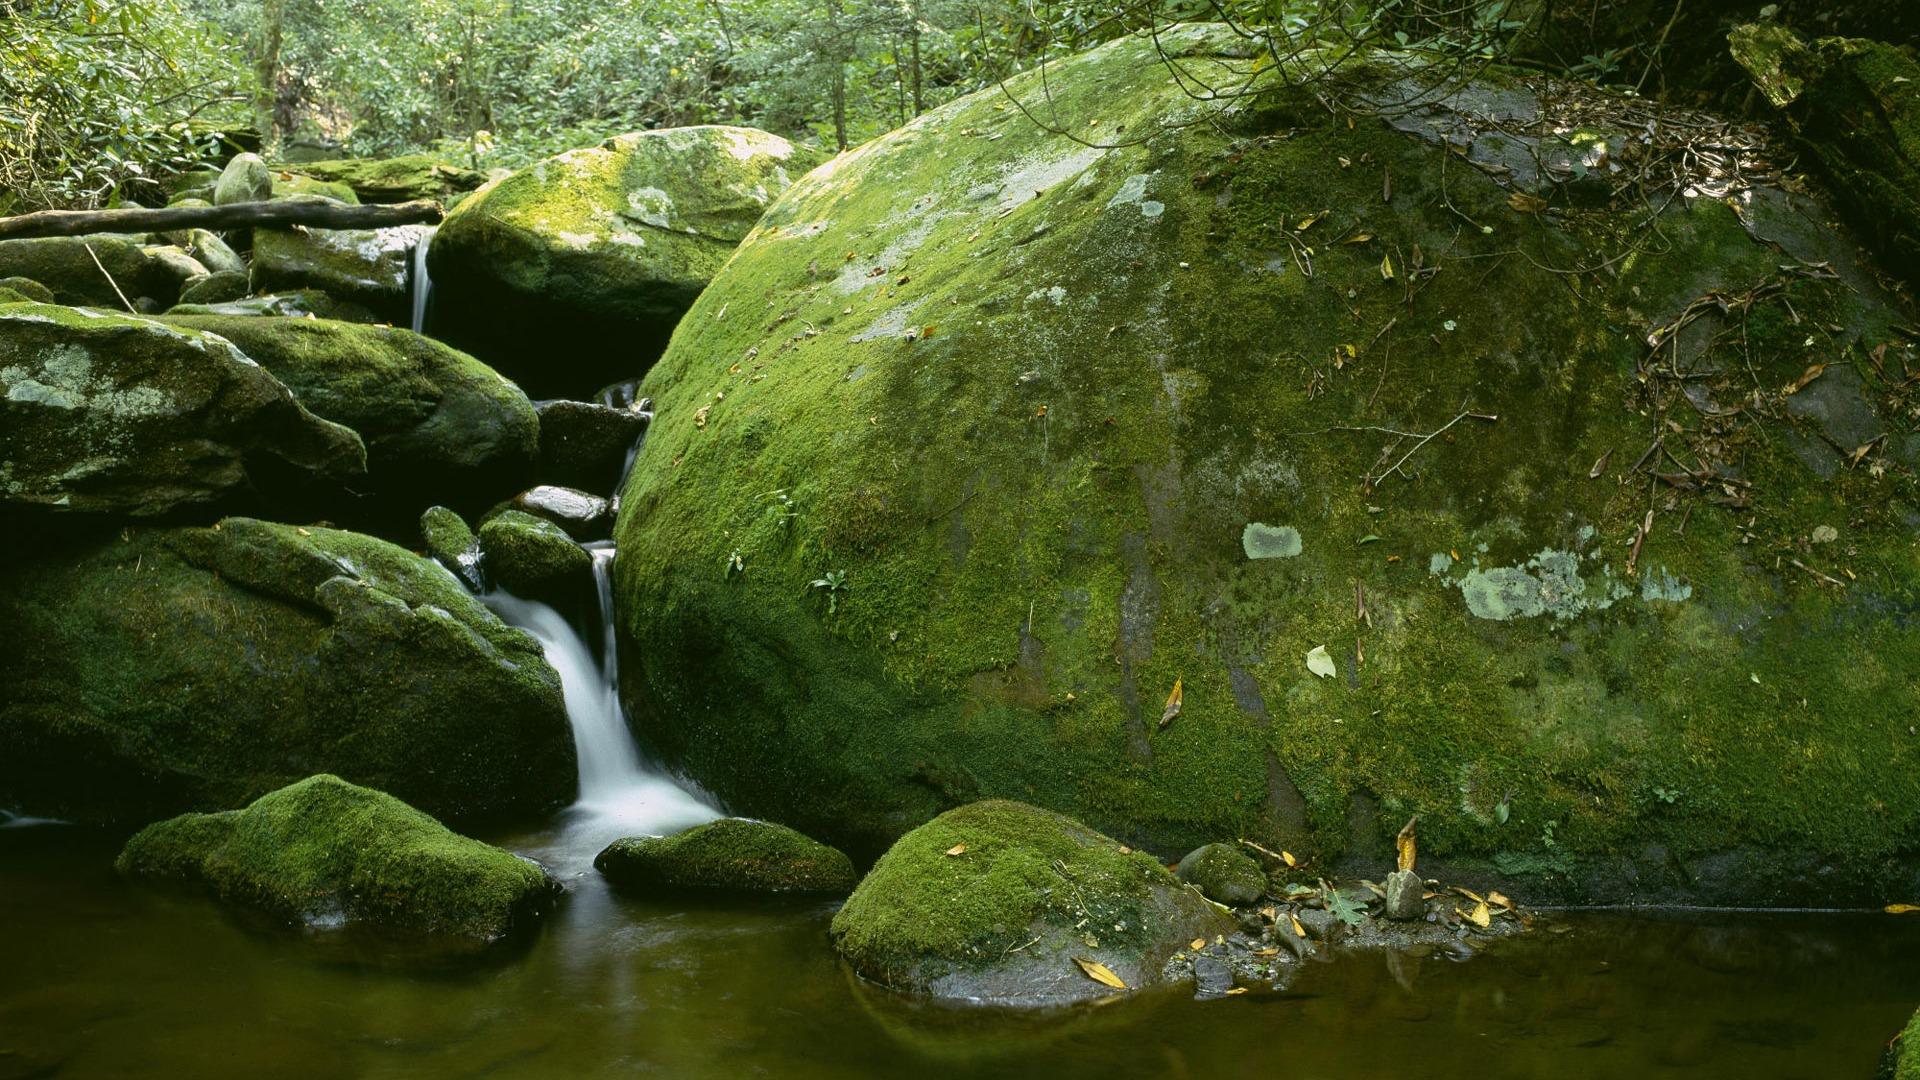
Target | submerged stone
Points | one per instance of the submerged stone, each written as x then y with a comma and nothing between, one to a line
997,901
1018,431
729,855
153,671
118,414
323,852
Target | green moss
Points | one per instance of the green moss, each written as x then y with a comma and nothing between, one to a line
399,179
1038,497
27,290
1224,873
530,556
289,184
446,535
1905,1053
732,854
323,851
63,265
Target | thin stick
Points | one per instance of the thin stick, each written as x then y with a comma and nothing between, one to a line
109,277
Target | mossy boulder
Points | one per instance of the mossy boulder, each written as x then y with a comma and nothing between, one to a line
364,266
322,852
571,272
215,288
147,277
953,518
1855,109
28,289
162,670
452,544
435,420
107,413
1902,1061
1224,873
286,185
996,900
392,180
245,179
532,557
729,855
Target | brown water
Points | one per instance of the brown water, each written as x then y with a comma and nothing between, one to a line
108,979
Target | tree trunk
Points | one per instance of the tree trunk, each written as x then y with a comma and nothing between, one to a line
313,215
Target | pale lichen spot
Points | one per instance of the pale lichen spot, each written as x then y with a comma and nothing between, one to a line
650,205
1270,541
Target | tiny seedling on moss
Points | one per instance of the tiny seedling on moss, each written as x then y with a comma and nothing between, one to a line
835,583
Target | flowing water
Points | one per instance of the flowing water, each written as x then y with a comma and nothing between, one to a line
106,978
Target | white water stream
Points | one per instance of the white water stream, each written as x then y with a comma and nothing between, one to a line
621,795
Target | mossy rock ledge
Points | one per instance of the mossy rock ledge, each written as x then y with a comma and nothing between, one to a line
322,852
997,900
570,273
1021,433
730,855
1902,1061
169,669
117,414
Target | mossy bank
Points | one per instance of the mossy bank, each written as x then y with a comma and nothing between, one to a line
1613,583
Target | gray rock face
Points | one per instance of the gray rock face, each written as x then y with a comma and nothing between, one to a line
729,855
434,419
585,446
296,304
1224,873
366,266
1404,891
162,670
104,413
245,179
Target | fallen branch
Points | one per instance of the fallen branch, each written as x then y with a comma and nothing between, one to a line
314,215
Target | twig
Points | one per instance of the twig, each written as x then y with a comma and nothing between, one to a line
1464,414
109,277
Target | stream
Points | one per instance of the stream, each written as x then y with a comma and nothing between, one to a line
107,978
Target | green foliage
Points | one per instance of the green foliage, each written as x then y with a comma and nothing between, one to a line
101,99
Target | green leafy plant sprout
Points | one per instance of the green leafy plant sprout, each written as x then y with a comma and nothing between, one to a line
835,583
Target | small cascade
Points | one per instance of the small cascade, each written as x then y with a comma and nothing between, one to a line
620,794
422,283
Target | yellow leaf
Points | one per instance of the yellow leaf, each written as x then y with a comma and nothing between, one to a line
1479,917
1197,944
1173,706
1813,372
1497,898
1358,238
956,849
1469,894
1350,353
1098,973
1236,990
1386,267
1299,930
1287,857
1902,909
1308,223
1403,844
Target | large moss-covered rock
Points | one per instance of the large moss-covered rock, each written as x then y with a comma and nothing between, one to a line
953,518
322,852
365,266
570,273
435,420
1902,1061
142,271
163,670
1855,108
729,855
995,901
391,180
245,179
102,412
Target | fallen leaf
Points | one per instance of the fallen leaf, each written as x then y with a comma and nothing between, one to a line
1358,238
956,849
1287,857
1297,928
1386,267
1525,203
1403,844
1600,466
1469,894
1173,706
1197,944
1813,372
301,531
700,416
1236,990
1320,663
1098,973
1479,916
1310,222
1902,909
1497,898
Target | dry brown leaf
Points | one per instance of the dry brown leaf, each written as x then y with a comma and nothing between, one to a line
1525,203
1468,893
1902,909
956,849
1299,930
1813,372
1099,973
1403,844
1497,898
1173,706
1266,952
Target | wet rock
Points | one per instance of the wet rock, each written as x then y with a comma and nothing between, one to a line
452,544
984,582
181,266
1321,924
245,179
152,671
571,272
1212,977
209,250
436,421
217,288
996,901
365,266
63,264
295,304
584,517
531,557
1224,873
730,855
29,289
103,413
1405,890
322,851
584,445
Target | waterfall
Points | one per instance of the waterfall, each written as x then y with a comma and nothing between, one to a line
621,794
421,283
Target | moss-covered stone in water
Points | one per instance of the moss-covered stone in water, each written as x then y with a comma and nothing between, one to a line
732,854
995,900
1033,460
322,852
447,538
435,420
531,557
599,250
291,184
1224,873
109,413
162,670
